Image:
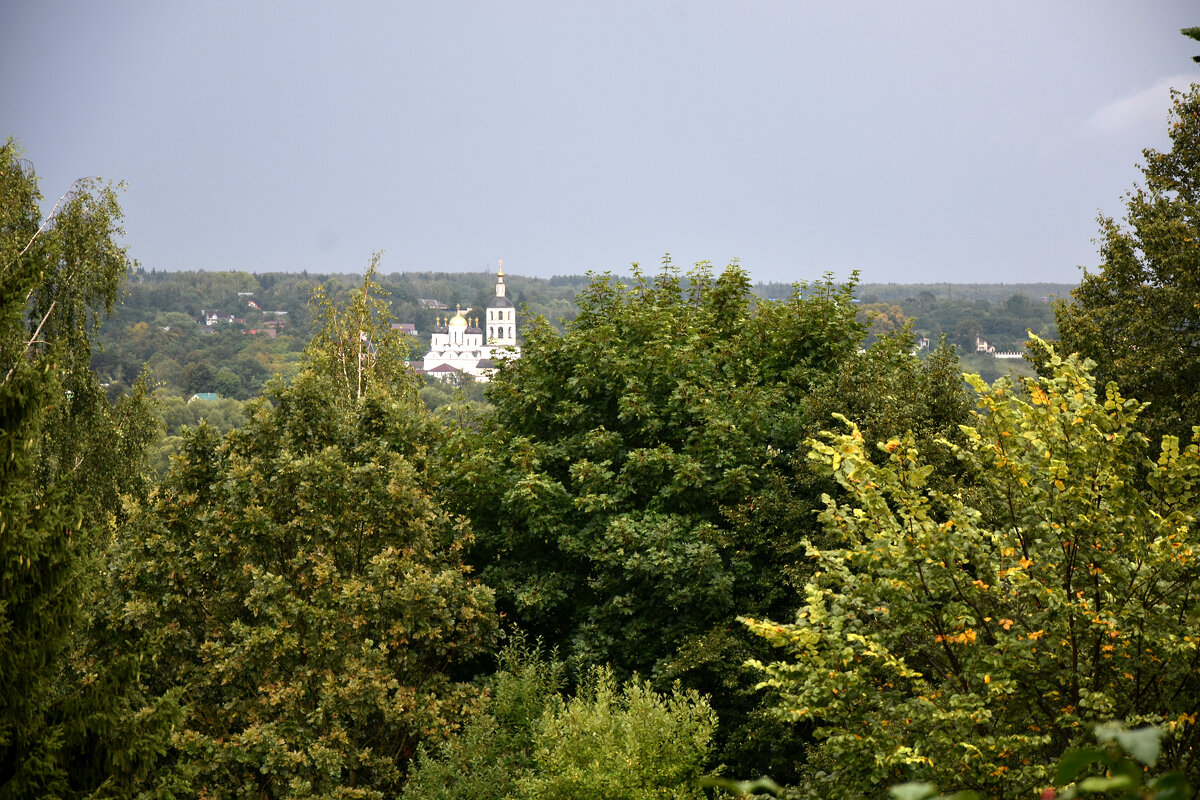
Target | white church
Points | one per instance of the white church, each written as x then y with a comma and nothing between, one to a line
460,345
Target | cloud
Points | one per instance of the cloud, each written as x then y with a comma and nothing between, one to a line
1141,114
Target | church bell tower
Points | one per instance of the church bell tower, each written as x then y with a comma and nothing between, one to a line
501,317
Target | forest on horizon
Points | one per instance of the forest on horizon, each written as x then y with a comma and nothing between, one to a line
1001,313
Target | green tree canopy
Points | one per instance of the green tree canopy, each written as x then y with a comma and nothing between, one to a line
71,465
300,579
1138,315
636,478
610,740
616,447
969,642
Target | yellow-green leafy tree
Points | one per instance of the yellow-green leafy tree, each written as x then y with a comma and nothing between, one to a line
970,642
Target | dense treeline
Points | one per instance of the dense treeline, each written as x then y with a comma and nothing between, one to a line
991,293
1001,314
693,534
1005,325
158,324
158,328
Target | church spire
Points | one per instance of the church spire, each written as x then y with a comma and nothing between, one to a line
501,316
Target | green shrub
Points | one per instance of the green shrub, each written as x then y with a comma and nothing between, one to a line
611,741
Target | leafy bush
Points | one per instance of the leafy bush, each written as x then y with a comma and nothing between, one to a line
624,742
495,748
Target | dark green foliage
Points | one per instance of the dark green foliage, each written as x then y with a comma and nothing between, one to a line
612,450
42,558
1192,33
71,467
298,577
70,726
1124,762
617,446
227,383
637,482
892,393
1138,315
198,378
456,391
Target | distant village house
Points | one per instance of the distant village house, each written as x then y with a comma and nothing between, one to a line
213,318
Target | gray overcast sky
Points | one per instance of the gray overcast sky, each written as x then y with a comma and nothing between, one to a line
916,141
